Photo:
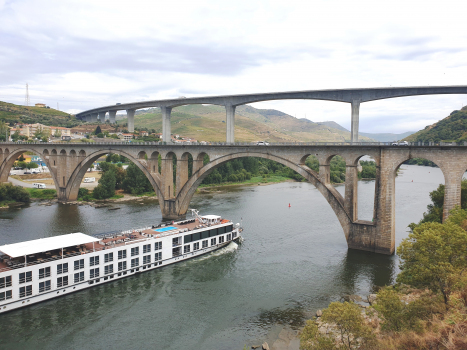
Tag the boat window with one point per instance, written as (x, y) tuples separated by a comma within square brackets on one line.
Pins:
[(196, 246), (5, 282), (205, 234), (5, 295), (93, 273), (146, 259), (25, 291), (122, 265), (196, 236), (228, 228), (62, 281), (62, 268), (25, 277), (186, 249), (188, 239), (93, 260), (134, 251), (45, 272), (221, 239), (44, 286), (79, 277), (213, 232), (79, 264), (146, 248), (108, 269), (158, 256), (135, 262), (205, 244), (213, 241), (122, 254), (108, 257), (221, 230), (158, 245)]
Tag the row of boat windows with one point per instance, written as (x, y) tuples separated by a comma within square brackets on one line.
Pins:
[(206, 234), (186, 248), (79, 276)]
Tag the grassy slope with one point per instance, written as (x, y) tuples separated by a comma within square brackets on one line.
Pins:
[(207, 123), (12, 113), (451, 128)]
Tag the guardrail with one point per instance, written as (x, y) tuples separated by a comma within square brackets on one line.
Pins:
[(347, 144)]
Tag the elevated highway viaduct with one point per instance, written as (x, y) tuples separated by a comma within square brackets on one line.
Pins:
[(352, 96), (68, 164)]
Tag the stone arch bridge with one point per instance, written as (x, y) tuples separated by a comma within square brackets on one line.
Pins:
[(68, 164)]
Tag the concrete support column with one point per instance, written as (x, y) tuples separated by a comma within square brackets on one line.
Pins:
[(197, 164), (230, 122), (167, 171), (452, 192), (355, 120), (166, 127), (93, 117), (102, 117), (130, 114), (351, 192), (61, 165), (88, 118), (153, 165), (182, 174), (112, 115), (325, 173)]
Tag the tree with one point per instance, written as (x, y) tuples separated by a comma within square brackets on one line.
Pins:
[(433, 256), (4, 131), (312, 339), (16, 136), (106, 187), (57, 133), (98, 130), (21, 158), (31, 165), (135, 181)]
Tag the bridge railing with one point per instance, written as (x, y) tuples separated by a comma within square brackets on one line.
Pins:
[(249, 144)]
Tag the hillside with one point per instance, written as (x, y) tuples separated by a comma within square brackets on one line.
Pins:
[(11, 114), (207, 123), (382, 137), (452, 128)]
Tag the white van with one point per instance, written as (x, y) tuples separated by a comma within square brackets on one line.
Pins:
[(89, 179), (38, 185)]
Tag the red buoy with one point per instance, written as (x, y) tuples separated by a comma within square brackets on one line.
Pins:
[(289, 205)]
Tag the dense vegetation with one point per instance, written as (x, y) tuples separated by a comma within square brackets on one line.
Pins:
[(426, 309), (10, 194), (452, 128)]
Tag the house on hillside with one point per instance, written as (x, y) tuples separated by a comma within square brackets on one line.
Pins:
[(41, 105), (126, 137), (63, 132)]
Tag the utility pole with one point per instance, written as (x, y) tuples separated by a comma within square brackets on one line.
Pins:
[(26, 98)]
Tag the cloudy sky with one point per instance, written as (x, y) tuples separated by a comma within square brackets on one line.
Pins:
[(84, 54)]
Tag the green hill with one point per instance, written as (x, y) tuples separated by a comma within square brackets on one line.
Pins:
[(207, 123), (450, 129), (11, 114)]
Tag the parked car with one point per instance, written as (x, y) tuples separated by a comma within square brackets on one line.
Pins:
[(27, 173), (402, 143), (262, 143), (38, 185)]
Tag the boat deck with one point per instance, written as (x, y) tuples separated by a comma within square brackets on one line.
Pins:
[(108, 241)]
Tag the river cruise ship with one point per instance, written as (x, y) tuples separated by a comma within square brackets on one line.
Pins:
[(42, 269)]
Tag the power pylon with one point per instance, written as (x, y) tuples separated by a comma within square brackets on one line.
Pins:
[(26, 98)]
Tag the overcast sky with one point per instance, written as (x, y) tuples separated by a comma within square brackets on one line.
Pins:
[(85, 54)]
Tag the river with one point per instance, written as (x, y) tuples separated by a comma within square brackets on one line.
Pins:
[(293, 261)]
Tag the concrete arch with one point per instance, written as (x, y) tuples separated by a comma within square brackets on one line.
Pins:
[(76, 177), (190, 187), (72, 153), (142, 155), (10, 158)]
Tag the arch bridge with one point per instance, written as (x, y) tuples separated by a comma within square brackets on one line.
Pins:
[(68, 164)]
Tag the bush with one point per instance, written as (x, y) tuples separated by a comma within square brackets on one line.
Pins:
[(10, 193), (82, 192)]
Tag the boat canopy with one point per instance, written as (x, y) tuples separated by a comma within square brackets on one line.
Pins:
[(211, 217), (46, 244)]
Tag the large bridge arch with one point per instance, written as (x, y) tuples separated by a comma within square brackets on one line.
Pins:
[(10, 158), (77, 176), (188, 190)]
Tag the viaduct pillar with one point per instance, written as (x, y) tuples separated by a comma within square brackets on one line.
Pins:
[(355, 120), (230, 116), (130, 113), (166, 127), (112, 115), (93, 117), (351, 191), (88, 118), (182, 173), (102, 117)]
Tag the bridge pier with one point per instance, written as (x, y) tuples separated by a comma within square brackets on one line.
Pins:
[(88, 118), (351, 191), (355, 105), (101, 116), (230, 123), (112, 115), (130, 113), (167, 171), (166, 127)]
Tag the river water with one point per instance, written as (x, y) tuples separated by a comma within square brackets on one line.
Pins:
[(293, 261)]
